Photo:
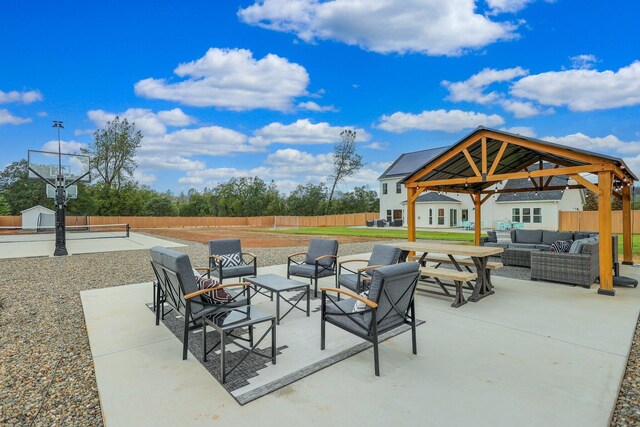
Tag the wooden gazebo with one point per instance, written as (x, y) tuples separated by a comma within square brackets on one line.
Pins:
[(485, 157)]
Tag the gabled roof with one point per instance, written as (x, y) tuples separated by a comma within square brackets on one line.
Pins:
[(409, 162), (434, 197), (37, 207)]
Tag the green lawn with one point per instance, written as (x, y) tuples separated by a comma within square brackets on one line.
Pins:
[(387, 233), (402, 234)]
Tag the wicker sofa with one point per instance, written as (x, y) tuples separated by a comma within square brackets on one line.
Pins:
[(578, 269)]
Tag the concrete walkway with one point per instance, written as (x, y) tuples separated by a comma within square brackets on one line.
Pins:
[(533, 354), (81, 244)]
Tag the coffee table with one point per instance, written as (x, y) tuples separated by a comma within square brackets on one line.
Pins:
[(277, 284), (225, 321)]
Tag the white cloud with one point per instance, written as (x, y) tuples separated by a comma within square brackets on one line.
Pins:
[(27, 97), (523, 109), (168, 162), (443, 120), (604, 145), (583, 62), (6, 118), (381, 146), (42, 114), (313, 106), (302, 131), (521, 130), (143, 177), (432, 27), (583, 90), (507, 6), (148, 122), (232, 79), (72, 147), (472, 89)]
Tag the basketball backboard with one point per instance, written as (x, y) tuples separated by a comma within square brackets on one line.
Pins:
[(71, 191), (44, 164)]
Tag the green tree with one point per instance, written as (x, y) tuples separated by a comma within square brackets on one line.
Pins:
[(161, 205), (112, 152), (19, 191), (591, 202), (346, 162), (5, 209), (361, 199), (307, 199)]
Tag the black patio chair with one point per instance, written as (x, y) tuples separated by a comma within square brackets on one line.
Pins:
[(176, 285), (358, 279), (227, 260), (390, 304), (320, 261)]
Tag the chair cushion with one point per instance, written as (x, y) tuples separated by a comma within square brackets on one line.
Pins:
[(384, 255), (576, 246), (528, 236), (549, 237), (349, 281), (224, 246), (321, 247), (308, 270), (237, 271), (503, 237)]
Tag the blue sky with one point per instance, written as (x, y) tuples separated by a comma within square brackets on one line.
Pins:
[(223, 89)]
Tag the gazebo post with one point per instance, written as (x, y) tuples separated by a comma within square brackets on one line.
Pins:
[(604, 222), (627, 233), (477, 202), (411, 214)]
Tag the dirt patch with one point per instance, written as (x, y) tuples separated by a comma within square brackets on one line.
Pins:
[(249, 239)]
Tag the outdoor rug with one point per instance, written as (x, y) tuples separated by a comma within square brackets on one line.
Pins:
[(298, 351)]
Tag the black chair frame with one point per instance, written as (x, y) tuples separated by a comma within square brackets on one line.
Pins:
[(318, 269)]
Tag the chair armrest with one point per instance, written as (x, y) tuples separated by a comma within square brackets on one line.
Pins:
[(372, 267), (216, 257), (352, 260), (204, 291), (201, 268), (353, 295), (296, 254), (248, 254)]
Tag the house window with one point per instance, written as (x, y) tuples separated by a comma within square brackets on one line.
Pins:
[(389, 215), (398, 188), (526, 215), (537, 215), (453, 217), (430, 216), (384, 188), (465, 215), (515, 215), (440, 216)]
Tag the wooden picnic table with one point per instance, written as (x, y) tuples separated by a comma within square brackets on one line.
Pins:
[(479, 254)]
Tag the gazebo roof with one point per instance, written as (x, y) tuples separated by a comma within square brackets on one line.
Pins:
[(467, 164)]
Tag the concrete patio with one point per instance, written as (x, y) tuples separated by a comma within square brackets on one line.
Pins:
[(534, 353)]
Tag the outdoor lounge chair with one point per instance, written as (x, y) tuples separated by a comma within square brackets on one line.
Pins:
[(357, 280), (223, 252), (390, 304), (320, 261), (176, 285)]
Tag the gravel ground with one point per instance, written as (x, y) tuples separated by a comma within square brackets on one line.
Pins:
[(46, 370)]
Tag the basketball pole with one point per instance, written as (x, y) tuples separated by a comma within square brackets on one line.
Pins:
[(61, 240)]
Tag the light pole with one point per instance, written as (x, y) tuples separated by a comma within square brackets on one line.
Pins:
[(61, 241)]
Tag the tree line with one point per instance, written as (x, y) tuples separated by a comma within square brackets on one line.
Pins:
[(116, 193)]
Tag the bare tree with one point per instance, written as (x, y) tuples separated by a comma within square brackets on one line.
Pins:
[(113, 150), (346, 162)]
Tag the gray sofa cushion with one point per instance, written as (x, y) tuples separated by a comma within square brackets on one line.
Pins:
[(321, 247), (549, 237), (384, 255), (528, 236), (491, 237), (579, 235), (576, 246), (523, 246), (543, 247)]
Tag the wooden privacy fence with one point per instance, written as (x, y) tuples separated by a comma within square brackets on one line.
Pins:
[(208, 221), (588, 221)]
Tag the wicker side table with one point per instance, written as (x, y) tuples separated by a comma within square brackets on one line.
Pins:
[(518, 257)]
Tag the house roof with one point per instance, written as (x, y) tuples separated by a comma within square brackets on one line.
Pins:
[(409, 162), (551, 195), (37, 207), (434, 197)]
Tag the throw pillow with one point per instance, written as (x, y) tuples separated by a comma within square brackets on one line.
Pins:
[(503, 236), (360, 306), (561, 245), (491, 237), (231, 260), (218, 296)]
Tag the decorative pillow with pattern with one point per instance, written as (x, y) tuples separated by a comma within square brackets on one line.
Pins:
[(231, 260), (561, 245), (360, 306), (219, 296), (503, 237)]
